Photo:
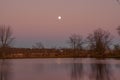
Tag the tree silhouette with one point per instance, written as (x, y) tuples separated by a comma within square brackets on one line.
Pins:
[(99, 40), (118, 1), (75, 41), (38, 45), (6, 36), (118, 29)]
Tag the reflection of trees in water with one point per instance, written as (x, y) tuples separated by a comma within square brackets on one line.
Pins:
[(93, 71), (101, 71), (4, 69), (76, 71), (117, 65)]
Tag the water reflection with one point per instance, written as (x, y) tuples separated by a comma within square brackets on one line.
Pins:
[(94, 71), (63, 69), (101, 71), (4, 69), (76, 71)]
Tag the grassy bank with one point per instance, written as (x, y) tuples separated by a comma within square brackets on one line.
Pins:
[(19, 53), (56, 55)]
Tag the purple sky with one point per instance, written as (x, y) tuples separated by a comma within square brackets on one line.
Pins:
[(36, 20)]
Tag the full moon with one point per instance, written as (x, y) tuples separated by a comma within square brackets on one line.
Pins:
[(59, 17)]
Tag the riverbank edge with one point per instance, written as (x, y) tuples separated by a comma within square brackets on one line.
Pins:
[(97, 57)]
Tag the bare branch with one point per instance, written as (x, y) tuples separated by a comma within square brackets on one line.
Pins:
[(6, 37), (99, 40), (118, 29), (38, 45), (76, 41)]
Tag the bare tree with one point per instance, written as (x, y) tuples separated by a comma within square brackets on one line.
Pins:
[(6, 36), (117, 46), (38, 45), (118, 29), (118, 1), (99, 40), (76, 41)]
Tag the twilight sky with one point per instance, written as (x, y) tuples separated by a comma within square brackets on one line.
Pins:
[(36, 20)]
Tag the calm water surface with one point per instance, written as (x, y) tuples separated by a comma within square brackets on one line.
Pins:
[(60, 69)]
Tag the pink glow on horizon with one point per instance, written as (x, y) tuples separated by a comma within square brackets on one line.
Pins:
[(38, 18)]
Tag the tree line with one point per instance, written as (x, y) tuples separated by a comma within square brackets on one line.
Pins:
[(99, 40)]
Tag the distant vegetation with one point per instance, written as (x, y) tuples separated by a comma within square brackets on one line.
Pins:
[(6, 39), (96, 44), (6, 36)]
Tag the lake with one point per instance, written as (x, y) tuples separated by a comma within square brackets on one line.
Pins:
[(60, 69)]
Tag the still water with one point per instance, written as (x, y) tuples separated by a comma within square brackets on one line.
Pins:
[(60, 69)]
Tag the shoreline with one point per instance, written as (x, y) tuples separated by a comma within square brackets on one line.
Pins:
[(42, 57), (26, 53)]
